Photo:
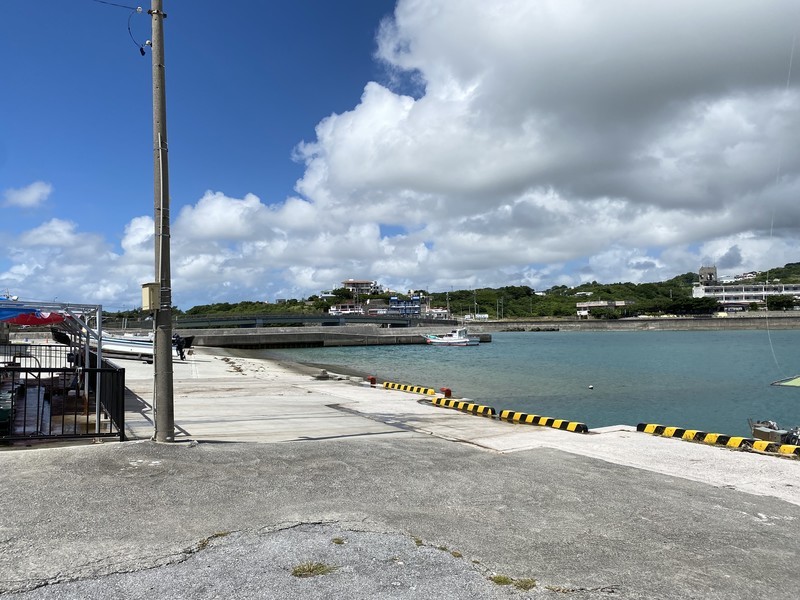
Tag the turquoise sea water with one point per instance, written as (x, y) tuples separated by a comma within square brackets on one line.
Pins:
[(707, 380)]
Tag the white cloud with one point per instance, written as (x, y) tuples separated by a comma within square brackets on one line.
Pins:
[(54, 233), (29, 196), (610, 134), (138, 240), (510, 142), (219, 217), (57, 260)]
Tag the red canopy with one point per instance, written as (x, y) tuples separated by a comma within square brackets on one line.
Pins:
[(36, 318)]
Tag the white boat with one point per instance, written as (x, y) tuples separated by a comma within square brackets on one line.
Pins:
[(457, 337), (126, 345), (122, 346)]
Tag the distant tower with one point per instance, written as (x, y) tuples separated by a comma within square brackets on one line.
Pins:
[(708, 275)]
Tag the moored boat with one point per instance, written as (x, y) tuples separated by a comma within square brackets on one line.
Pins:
[(457, 337)]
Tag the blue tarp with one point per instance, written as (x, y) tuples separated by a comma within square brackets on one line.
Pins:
[(8, 313), (19, 313)]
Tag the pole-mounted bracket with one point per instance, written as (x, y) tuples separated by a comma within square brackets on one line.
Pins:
[(157, 12)]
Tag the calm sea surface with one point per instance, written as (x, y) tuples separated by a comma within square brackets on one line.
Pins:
[(707, 380)]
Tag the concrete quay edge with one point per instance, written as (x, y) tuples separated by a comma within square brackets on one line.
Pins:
[(439, 500)]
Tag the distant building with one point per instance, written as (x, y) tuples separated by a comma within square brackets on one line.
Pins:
[(746, 276), (437, 313), (708, 275), (376, 307), (737, 295), (585, 308), (405, 308), (477, 317), (362, 287), (346, 309)]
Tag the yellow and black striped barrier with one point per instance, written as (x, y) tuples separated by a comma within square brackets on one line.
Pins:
[(465, 406), (719, 439), (417, 389), (563, 424)]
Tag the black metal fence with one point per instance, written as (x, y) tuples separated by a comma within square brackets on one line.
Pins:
[(47, 393)]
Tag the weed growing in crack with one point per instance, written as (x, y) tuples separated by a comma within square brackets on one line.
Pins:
[(312, 569)]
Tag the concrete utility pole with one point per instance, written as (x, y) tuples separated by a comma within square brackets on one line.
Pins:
[(162, 356)]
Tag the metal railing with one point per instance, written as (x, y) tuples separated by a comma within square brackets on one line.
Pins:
[(47, 394)]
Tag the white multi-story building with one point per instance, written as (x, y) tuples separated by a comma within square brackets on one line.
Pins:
[(740, 294), (362, 287), (585, 308)]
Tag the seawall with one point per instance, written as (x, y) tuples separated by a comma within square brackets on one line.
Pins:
[(374, 335), (773, 320), (309, 337)]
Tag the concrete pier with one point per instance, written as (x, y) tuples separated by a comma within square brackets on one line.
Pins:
[(276, 468)]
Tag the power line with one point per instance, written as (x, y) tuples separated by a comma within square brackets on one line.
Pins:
[(134, 10), (130, 33), (139, 8)]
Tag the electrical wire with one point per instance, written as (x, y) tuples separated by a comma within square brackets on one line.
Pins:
[(130, 33), (118, 5), (134, 10)]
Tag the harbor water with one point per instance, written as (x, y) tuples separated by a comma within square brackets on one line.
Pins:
[(707, 380)]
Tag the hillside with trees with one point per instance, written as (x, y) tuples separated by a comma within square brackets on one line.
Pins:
[(514, 302), (671, 297), (789, 273)]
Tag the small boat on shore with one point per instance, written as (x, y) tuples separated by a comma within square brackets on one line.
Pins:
[(122, 346), (133, 346), (457, 337)]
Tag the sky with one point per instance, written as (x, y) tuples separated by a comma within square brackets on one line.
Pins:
[(423, 144)]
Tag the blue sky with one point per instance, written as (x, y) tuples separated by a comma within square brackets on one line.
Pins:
[(243, 88), (429, 144)]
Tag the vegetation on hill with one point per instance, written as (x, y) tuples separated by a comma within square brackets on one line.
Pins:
[(673, 296), (668, 297), (789, 273)]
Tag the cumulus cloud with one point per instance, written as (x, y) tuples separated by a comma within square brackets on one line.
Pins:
[(215, 216), (53, 233), (512, 142), (56, 260), (29, 196), (138, 237), (731, 259), (557, 132)]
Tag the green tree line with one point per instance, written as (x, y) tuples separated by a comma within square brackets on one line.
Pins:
[(673, 296)]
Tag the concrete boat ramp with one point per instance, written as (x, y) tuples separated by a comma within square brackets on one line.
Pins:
[(276, 470)]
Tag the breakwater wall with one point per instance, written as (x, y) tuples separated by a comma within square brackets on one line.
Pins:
[(310, 337), (775, 320), (375, 335)]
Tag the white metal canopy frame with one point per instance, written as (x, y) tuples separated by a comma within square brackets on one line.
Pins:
[(79, 325)]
